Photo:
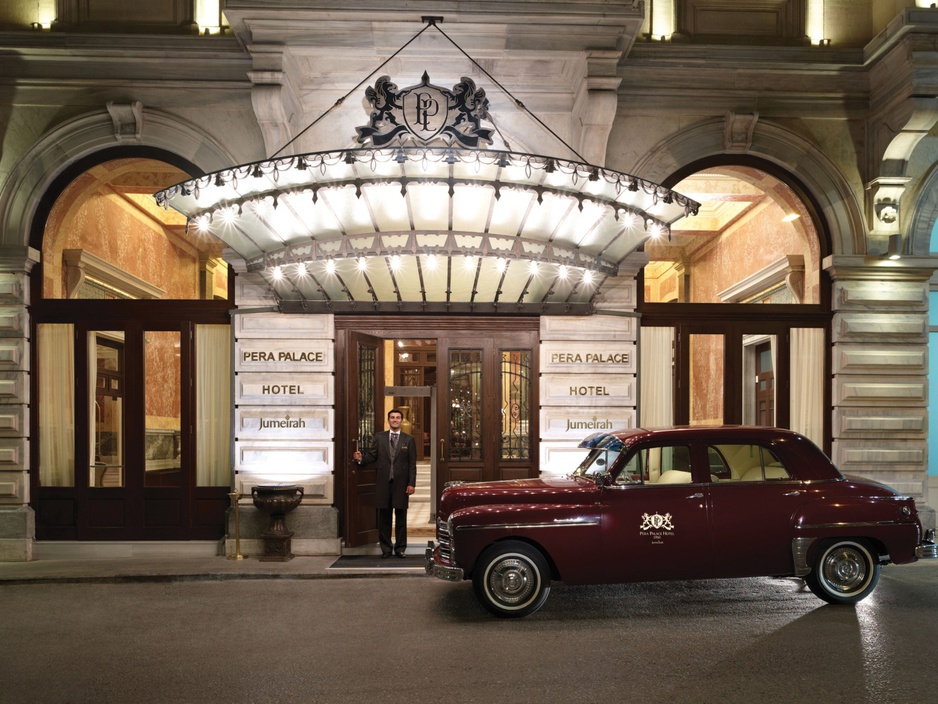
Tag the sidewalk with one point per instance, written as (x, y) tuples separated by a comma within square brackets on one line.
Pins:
[(181, 569)]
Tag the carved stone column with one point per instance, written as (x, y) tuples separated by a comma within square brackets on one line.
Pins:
[(880, 371), (17, 520)]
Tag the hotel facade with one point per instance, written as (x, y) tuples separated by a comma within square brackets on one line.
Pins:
[(233, 236)]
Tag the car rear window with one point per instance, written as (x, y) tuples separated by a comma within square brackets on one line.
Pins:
[(745, 462)]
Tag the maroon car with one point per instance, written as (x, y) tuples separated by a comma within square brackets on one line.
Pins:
[(677, 503)]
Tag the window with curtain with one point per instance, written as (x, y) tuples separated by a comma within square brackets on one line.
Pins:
[(213, 405), (56, 404), (807, 383)]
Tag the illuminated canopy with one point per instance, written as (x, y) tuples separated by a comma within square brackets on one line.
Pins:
[(438, 226)]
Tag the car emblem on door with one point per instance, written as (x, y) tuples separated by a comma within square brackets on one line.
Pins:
[(656, 522)]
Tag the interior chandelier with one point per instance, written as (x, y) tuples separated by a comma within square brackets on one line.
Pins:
[(423, 218)]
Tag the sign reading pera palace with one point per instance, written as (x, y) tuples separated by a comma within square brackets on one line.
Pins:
[(424, 112)]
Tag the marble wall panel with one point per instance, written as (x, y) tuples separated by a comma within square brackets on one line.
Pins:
[(589, 328), (872, 390), (14, 321), (284, 422), (881, 422), (879, 327), (13, 354), (14, 388), (574, 424), (587, 390), (14, 453), (251, 291), (285, 326), (13, 289), (600, 358), (284, 389), (875, 295), (13, 421), (560, 458), (306, 355), (317, 488), (892, 359), (14, 487), (290, 459)]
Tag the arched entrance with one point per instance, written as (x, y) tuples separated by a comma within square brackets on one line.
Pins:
[(131, 359), (735, 299)]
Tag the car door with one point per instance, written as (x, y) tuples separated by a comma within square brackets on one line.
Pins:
[(654, 517), (753, 501)]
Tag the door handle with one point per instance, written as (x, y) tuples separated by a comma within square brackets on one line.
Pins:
[(698, 495), (792, 493), (442, 456)]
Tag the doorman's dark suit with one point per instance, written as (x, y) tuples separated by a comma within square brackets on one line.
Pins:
[(394, 475)]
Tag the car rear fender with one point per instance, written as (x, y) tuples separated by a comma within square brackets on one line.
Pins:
[(567, 535), (889, 524)]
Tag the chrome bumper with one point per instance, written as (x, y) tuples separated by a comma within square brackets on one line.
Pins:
[(450, 574), (928, 550)]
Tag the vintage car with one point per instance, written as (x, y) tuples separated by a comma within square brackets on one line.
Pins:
[(677, 503)]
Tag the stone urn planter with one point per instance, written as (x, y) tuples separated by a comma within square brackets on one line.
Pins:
[(277, 500)]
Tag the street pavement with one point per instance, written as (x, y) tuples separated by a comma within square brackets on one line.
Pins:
[(305, 634)]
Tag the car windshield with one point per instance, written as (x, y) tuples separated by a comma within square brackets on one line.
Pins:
[(604, 450)]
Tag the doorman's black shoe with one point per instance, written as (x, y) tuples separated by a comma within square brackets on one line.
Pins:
[(400, 554), (385, 555)]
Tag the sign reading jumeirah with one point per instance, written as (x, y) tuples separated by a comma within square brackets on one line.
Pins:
[(424, 112)]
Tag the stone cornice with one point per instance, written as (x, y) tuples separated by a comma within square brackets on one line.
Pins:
[(868, 268)]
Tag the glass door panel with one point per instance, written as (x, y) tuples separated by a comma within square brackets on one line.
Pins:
[(760, 371), (108, 385), (163, 421), (466, 412), (516, 404), (706, 379), (656, 377)]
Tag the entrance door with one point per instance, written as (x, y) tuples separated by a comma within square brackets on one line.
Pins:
[(488, 410), (135, 481), (364, 393)]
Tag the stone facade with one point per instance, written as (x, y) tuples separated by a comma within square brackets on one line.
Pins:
[(849, 123)]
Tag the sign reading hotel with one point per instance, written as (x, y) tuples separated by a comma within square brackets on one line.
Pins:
[(581, 390)]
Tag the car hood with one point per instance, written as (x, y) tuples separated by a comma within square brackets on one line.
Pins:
[(518, 491)]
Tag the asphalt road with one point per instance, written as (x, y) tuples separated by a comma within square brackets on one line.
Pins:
[(417, 639)]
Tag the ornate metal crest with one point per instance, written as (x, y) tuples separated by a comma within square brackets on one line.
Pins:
[(425, 112), (656, 522)]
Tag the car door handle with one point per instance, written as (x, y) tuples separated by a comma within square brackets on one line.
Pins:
[(792, 493), (698, 495)]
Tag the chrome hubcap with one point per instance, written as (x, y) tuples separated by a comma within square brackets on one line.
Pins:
[(845, 569), (513, 581)]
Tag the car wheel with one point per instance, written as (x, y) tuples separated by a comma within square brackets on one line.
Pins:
[(845, 572), (511, 579)]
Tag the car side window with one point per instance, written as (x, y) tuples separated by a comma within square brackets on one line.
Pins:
[(745, 462), (668, 464)]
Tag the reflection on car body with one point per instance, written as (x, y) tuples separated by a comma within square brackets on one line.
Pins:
[(677, 503)]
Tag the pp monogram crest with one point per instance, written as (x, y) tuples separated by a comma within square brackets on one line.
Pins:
[(425, 112), (656, 522)]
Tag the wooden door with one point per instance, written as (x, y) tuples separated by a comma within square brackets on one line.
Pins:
[(487, 407), (364, 393)]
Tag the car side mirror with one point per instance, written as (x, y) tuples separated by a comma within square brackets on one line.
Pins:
[(601, 479)]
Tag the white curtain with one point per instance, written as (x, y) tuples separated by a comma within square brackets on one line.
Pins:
[(807, 383), (656, 377), (56, 405), (213, 405)]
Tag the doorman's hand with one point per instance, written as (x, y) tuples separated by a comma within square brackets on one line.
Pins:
[(357, 456), (410, 490)]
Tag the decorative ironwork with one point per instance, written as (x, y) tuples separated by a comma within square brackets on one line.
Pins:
[(367, 379), (516, 404), (425, 112), (465, 398)]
